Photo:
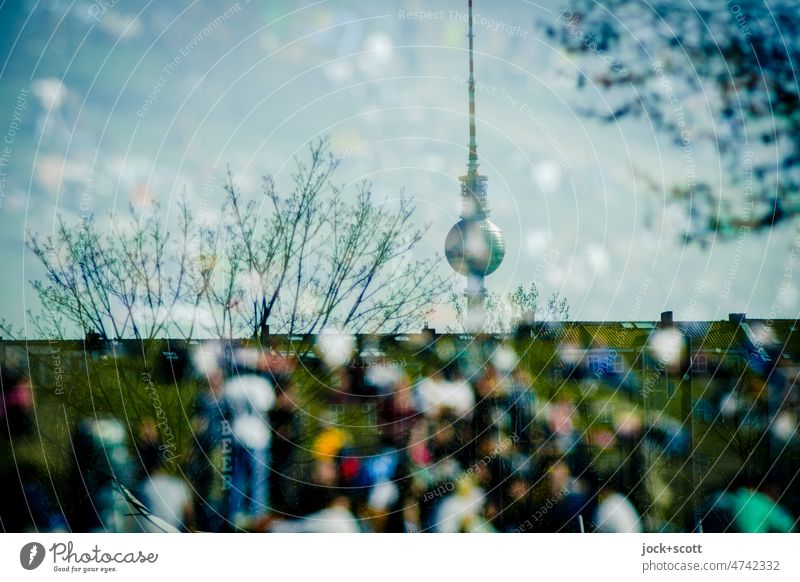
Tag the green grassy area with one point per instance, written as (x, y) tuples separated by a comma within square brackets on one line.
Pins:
[(77, 384)]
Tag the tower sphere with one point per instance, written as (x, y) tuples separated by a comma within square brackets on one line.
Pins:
[(475, 247)]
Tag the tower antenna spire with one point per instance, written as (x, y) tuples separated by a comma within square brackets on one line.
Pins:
[(472, 165)]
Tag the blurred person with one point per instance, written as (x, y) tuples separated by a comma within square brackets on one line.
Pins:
[(491, 411), (745, 510), (318, 479), (277, 367), (382, 508), (562, 426), (438, 445), (349, 382), (16, 403), (418, 450), (330, 440), (166, 497), (248, 399), (286, 428), (444, 440), (568, 497), (384, 376), (516, 505), (412, 522), (497, 461), (379, 468), (397, 415), (630, 477), (210, 453), (24, 503), (101, 472), (316, 492), (444, 392), (335, 517), (522, 405), (616, 514), (462, 511), (148, 448)]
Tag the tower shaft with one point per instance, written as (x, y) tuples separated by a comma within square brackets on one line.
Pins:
[(474, 202)]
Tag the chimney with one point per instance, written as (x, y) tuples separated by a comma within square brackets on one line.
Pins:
[(428, 330), (92, 340), (737, 317), (666, 319)]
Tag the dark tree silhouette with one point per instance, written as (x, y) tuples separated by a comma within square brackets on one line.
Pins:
[(706, 72)]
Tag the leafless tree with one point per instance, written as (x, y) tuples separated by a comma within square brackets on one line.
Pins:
[(298, 263), (123, 280), (315, 261)]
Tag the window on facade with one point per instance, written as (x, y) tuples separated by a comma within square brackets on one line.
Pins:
[(700, 363), (617, 364), (593, 360)]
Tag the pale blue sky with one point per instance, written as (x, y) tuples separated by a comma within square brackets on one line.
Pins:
[(106, 102)]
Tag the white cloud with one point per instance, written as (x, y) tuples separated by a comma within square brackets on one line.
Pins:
[(547, 174), (50, 92)]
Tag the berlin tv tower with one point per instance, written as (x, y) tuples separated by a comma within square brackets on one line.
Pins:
[(474, 247)]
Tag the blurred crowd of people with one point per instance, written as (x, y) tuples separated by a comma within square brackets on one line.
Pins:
[(458, 447)]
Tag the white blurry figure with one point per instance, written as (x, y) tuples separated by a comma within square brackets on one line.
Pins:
[(247, 358), (784, 427), (384, 376), (383, 496), (249, 394), (460, 512), (331, 520), (336, 518), (505, 359), (168, 498), (206, 358), (457, 395), (729, 404), (436, 394), (335, 348), (249, 397), (615, 514), (667, 345)]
